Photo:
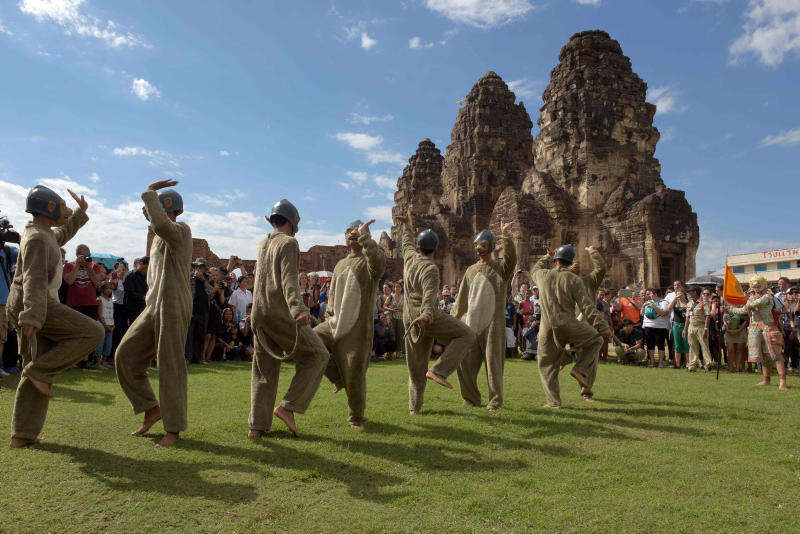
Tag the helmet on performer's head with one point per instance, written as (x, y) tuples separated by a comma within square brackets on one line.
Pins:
[(285, 209), (565, 253), (352, 228), (44, 201), (171, 200), (427, 241), (758, 282), (484, 242)]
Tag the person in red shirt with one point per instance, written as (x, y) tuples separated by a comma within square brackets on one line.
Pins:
[(82, 278)]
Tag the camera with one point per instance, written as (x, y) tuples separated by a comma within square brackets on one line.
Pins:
[(7, 232)]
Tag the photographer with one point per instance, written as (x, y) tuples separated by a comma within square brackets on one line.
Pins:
[(8, 260), (82, 278), (201, 288)]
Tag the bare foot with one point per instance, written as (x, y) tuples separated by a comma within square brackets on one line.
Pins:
[(43, 387), (287, 417), (16, 443), (588, 398), (430, 375), (492, 408), (763, 383), (413, 412), (580, 378), (551, 406), (336, 389), (782, 385), (253, 434), (151, 417), (169, 440)]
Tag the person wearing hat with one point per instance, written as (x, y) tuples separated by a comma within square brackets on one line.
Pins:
[(348, 328), (281, 328), (560, 292), (160, 330), (201, 306), (629, 343), (696, 332), (53, 337), (423, 320), (764, 336), (481, 305)]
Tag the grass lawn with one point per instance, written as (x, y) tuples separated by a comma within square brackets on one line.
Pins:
[(660, 450)]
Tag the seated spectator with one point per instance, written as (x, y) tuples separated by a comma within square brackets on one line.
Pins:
[(227, 346), (630, 341), (384, 341)]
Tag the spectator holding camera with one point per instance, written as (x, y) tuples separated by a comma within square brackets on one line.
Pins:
[(83, 277)]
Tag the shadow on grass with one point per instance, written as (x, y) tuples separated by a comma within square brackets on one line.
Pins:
[(83, 397), (175, 478), (361, 483)]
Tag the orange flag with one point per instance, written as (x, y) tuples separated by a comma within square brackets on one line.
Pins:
[(732, 290)]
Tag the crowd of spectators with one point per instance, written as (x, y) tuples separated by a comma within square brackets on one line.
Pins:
[(652, 327)]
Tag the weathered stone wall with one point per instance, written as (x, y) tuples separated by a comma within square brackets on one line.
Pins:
[(589, 177)]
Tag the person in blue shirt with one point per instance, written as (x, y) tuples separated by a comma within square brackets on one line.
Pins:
[(8, 258)]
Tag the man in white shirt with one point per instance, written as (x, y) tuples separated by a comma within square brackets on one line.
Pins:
[(242, 296), (656, 323)]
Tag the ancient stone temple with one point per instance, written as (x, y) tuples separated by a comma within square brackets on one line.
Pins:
[(589, 177)]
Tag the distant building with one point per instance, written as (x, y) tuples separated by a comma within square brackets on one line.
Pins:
[(771, 264)]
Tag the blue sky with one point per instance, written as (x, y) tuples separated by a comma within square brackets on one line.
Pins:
[(323, 102)]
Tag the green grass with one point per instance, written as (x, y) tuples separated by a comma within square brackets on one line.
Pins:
[(661, 450)]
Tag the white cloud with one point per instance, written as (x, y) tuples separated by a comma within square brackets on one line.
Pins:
[(415, 43), (771, 30), (220, 199), (366, 120), (346, 185), (525, 88), (384, 156), (381, 213), (144, 89), (69, 15), (367, 42), (224, 153), (94, 177), (4, 30), (155, 157), (480, 13), (783, 139), (665, 100), (384, 182), (371, 146), (360, 141), (358, 177), (589, 2)]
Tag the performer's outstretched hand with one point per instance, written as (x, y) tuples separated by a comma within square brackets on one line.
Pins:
[(82, 204), (161, 184), (505, 227), (591, 248), (364, 228)]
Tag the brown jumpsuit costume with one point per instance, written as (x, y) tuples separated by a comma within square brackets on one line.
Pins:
[(277, 336), (160, 330), (65, 336), (349, 326)]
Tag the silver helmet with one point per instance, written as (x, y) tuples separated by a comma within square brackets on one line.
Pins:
[(171, 200), (427, 241), (286, 209)]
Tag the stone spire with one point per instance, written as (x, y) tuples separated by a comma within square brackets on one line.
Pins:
[(490, 149), (597, 137)]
